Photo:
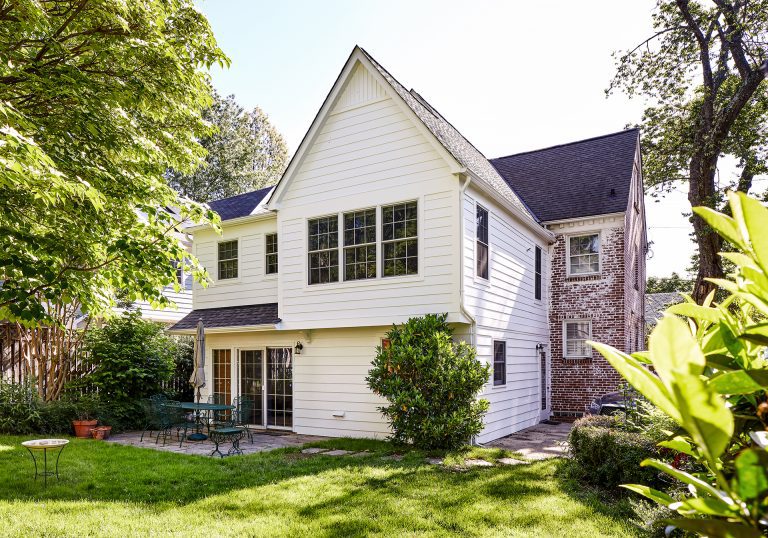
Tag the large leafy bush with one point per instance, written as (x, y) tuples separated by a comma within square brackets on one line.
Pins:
[(432, 384), (711, 378)]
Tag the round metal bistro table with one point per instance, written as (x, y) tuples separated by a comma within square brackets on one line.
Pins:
[(45, 445)]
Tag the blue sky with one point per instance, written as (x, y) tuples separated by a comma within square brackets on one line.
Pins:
[(511, 76)]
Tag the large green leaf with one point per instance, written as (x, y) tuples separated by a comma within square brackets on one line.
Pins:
[(756, 333), (752, 474), (696, 312), (740, 382), (679, 444), (702, 487), (723, 224), (653, 494), (756, 220), (716, 528)]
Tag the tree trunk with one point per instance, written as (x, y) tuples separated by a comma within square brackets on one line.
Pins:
[(701, 192)]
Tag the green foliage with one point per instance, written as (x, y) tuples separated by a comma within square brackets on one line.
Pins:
[(245, 153), (668, 284), (97, 101), (607, 454), (712, 380), (431, 383), (19, 408), (131, 358)]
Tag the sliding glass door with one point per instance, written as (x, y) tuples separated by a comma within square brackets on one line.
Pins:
[(252, 383), (266, 379)]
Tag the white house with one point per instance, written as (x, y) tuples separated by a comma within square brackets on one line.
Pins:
[(385, 212)]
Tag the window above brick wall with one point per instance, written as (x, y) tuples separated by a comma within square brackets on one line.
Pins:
[(583, 254)]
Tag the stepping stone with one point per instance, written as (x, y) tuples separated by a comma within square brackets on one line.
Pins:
[(360, 454), (393, 457), (477, 463), (435, 461), (511, 461), (337, 453), (314, 450)]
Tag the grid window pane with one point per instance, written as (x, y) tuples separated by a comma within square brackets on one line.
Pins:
[(584, 254), (537, 275), (222, 376), (270, 248), (576, 335), (323, 250), (499, 362), (279, 387), (400, 246), (251, 384), (360, 245), (227, 260), (481, 217)]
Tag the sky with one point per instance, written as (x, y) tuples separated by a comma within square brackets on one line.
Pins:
[(510, 75)]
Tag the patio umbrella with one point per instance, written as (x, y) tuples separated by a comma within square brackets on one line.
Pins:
[(198, 373)]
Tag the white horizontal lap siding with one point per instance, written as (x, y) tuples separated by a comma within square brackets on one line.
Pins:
[(365, 155), (252, 286), (505, 309), (328, 377)]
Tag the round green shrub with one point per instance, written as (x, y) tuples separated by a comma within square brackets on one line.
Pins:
[(431, 383)]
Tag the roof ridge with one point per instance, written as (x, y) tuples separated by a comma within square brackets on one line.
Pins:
[(241, 194), (590, 139)]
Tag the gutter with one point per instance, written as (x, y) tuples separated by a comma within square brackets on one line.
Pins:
[(235, 221), (462, 308), (233, 329)]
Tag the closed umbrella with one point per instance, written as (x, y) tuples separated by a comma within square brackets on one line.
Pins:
[(198, 373)]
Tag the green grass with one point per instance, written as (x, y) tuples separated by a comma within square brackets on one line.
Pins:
[(114, 490)]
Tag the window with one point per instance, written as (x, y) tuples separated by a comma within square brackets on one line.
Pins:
[(575, 339), (179, 267), (227, 260), (222, 376), (360, 244), (481, 217), (537, 275), (270, 249), (399, 244), (324, 250), (584, 254), (499, 362)]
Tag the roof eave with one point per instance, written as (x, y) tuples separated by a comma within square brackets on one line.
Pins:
[(236, 220), (229, 329)]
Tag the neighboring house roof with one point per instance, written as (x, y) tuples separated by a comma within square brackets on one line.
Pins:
[(452, 140), (578, 179), (230, 316), (241, 205), (656, 303)]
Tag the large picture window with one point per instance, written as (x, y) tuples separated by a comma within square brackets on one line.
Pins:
[(323, 250), (360, 244), (481, 216), (499, 362), (576, 334), (270, 256), (584, 254), (227, 260), (400, 244)]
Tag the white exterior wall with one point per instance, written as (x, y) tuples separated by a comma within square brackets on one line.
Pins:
[(328, 376), (252, 286), (504, 308), (369, 153)]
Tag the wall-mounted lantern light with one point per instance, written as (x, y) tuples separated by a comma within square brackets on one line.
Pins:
[(298, 348)]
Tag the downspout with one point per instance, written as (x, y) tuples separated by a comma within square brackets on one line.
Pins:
[(462, 308)]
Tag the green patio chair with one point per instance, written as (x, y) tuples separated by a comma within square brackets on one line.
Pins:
[(152, 409), (242, 415)]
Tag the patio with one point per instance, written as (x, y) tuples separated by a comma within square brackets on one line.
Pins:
[(262, 441)]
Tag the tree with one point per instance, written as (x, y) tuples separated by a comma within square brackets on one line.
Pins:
[(97, 101), (702, 70), (245, 153), (668, 284)]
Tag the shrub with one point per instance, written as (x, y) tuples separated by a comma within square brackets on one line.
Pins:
[(431, 383), (605, 454), (19, 408)]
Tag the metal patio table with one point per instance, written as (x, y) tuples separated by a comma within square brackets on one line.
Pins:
[(199, 408), (45, 445)]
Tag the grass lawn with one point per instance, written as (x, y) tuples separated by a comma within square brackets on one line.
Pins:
[(114, 490)]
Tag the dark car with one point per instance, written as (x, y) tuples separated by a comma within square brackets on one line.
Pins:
[(608, 404)]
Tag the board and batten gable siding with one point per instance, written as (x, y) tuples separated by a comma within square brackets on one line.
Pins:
[(367, 153), (328, 377), (252, 285), (505, 308)]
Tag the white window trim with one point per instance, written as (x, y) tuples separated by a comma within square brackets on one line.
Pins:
[(565, 338), (493, 363), (480, 279), (599, 253), (339, 250), (271, 276), (239, 262)]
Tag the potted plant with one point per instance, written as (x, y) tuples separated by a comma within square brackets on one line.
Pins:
[(101, 432), (86, 420)]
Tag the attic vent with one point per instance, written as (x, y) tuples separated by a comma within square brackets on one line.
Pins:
[(613, 193)]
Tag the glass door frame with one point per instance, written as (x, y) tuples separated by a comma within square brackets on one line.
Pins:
[(236, 383)]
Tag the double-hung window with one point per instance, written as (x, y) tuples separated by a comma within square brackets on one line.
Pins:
[(575, 336), (228, 259), (360, 244), (481, 217), (399, 239), (270, 256), (499, 362), (323, 251), (584, 254), (179, 267), (537, 275)]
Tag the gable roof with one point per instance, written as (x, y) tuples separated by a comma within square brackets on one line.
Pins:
[(230, 316), (579, 179), (452, 140), (240, 205)]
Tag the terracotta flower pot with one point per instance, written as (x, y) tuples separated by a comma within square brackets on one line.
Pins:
[(83, 428), (102, 432)]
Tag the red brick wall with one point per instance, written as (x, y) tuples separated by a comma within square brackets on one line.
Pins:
[(601, 298)]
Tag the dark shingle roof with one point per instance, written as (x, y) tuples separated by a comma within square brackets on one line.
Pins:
[(230, 316), (239, 206), (452, 140), (656, 303), (579, 179)]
